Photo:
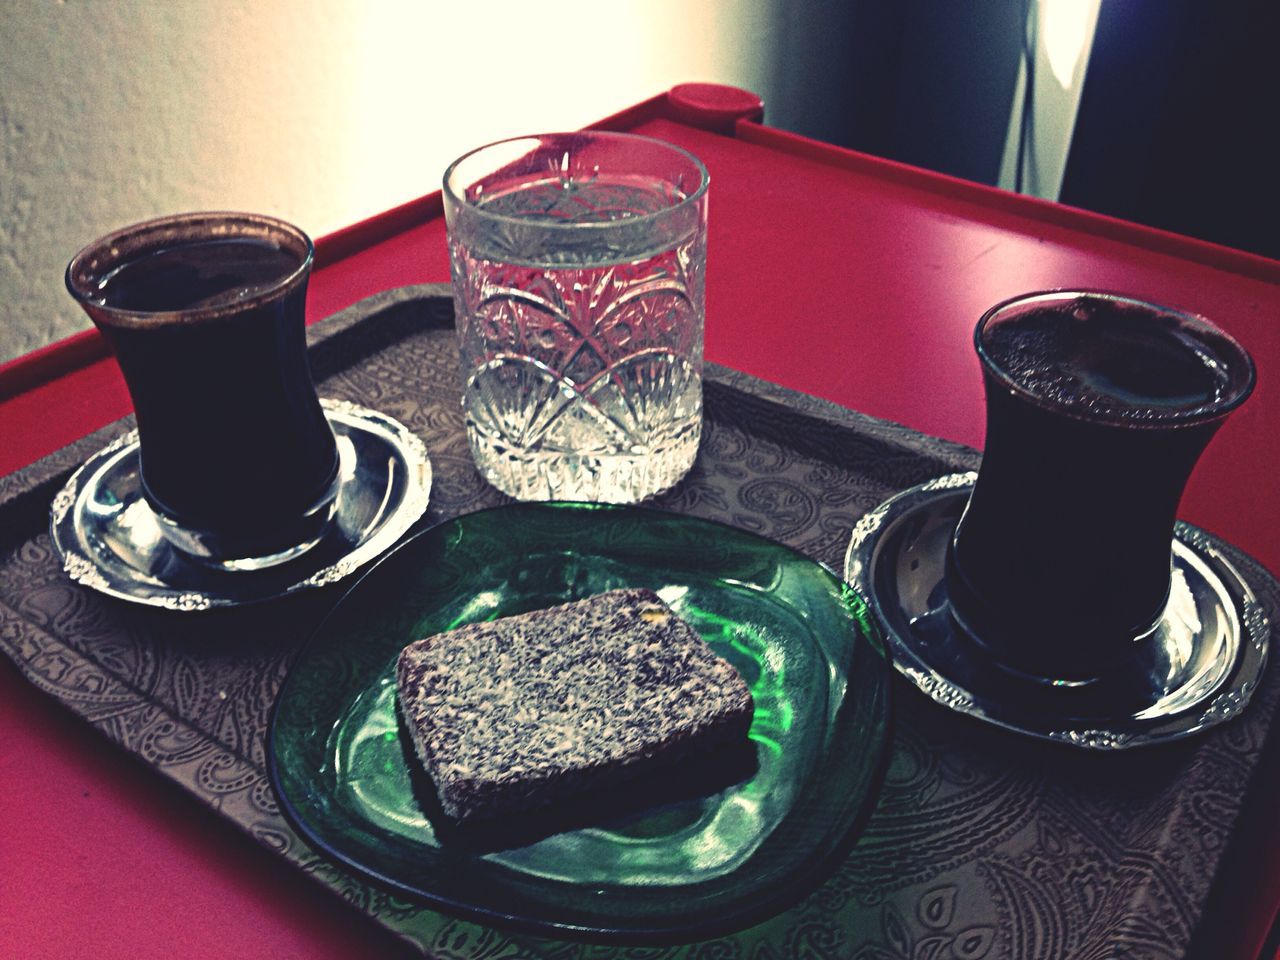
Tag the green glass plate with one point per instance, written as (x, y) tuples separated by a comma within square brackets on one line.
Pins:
[(720, 856)]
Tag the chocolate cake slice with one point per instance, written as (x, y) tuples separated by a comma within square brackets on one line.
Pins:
[(512, 715)]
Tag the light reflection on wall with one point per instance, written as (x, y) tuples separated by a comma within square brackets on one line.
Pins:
[(1068, 27), (427, 82), (1063, 32), (323, 112)]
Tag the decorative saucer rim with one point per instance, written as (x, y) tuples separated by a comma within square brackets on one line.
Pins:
[(79, 561), (1219, 704)]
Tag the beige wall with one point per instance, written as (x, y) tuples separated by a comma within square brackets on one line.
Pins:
[(323, 111)]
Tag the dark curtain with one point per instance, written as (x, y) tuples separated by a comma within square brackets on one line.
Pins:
[(1178, 120), (927, 82)]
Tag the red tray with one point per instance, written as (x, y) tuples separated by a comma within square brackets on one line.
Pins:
[(832, 272)]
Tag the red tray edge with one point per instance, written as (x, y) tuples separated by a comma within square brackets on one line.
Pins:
[(1241, 262)]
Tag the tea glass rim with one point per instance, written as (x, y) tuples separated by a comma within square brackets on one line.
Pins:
[(1199, 322), (577, 226), (146, 237)]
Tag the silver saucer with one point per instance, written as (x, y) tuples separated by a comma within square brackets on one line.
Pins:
[(1201, 668), (109, 539)]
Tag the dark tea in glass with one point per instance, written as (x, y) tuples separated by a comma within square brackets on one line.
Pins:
[(1098, 407), (205, 315)]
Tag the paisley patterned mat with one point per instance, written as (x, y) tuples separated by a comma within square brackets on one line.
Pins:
[(983, 845)]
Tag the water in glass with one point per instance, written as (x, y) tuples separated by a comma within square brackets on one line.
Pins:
[(581, 363)]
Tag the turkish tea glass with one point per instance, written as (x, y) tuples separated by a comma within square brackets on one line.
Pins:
[(204, 312), (1098, 407)]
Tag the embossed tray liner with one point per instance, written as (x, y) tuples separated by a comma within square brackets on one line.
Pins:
[(983, 844)]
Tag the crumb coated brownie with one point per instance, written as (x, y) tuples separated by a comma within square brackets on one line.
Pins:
[(510, 715)]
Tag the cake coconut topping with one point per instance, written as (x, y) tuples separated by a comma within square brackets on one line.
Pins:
[(514, 714)]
